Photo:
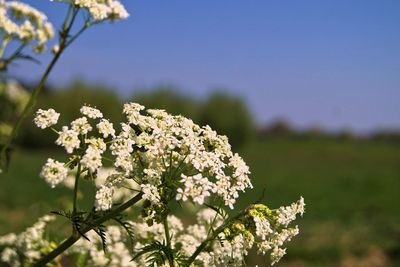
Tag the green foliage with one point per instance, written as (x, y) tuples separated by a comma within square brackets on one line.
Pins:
[(158, 254), (101, 232), (228, 115)]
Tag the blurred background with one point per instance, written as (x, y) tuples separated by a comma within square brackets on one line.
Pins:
[(307, 92)]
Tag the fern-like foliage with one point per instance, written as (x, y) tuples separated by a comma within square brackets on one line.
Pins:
[(156, 253), (101, 232), (120, 219)]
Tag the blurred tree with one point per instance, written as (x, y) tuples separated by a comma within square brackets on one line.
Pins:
[(387, 135), (171, 100), (230, 116), (279, 127)]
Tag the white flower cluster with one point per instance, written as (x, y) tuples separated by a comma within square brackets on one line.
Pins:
[(54, 172), (288, 214), (19, 21), (30, 244), (103, 9), (173, 150), (271, 227), (154, 149), (46, 118)]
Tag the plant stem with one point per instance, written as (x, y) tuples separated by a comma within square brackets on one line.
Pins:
[(3, 46), (72, 239), (168, 238), (74, 203), (78, 174)]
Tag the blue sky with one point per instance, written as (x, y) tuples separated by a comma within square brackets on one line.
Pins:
[(329, 63)]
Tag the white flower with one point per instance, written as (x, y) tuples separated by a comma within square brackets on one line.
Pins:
[(68, 139), (117, 10), (10, 255), (81, 125), (103, 9), (285, 235), (90, 112), (46, 118), (150, 192), (132, 108), (106, 128), (54, 172), (263, 247), (263, 227), (104, 198), (99, 11), (196, 187), (55, 49), (96, 143), (276, 254), (288, 214), (122, 146), (92, 159), (8, 239)]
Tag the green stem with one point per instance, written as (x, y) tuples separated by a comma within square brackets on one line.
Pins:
[(67, 17), (72, 239), (78, 174), (168, 238), (75, 233), (4, 45)]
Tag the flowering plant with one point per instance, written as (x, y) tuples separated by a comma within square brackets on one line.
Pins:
[(156, 159), (142, 167)]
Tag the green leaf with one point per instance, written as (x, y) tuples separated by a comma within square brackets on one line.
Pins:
[(101, 232)]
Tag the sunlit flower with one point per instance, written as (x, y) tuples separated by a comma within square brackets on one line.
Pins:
[(46, 118), (54, 172)]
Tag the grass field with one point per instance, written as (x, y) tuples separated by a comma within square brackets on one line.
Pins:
[(351, 188)]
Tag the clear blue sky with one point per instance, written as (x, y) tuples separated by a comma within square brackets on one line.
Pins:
[(332, 63)]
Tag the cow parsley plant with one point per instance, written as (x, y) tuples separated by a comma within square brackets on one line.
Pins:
[(152, 160)]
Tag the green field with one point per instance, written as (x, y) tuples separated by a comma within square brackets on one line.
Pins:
[(351, 188)]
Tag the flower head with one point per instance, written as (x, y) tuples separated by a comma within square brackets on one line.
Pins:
[(46, 118), (90, 112), (54, 172), (21, 22)]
